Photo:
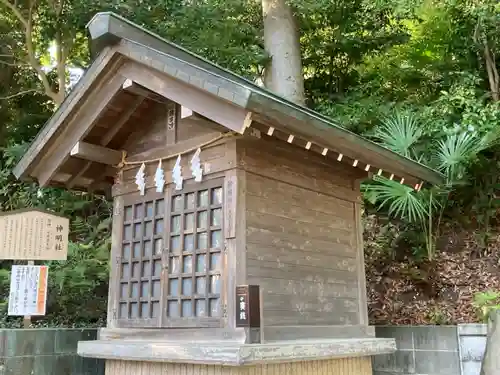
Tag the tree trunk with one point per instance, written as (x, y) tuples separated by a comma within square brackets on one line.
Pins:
[(491, 359), (283, 75), (492, 71)]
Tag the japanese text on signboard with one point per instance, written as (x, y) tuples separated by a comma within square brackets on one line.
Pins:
[(247, 306), (28, 290), (33, 235)]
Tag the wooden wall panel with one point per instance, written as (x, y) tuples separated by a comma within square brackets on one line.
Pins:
[(344, 366), (193, 127), (301, 238), (155, 138), (297, 167), (147, 136)]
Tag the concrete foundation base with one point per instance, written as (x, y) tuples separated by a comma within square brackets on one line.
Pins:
[(341, 366), (301, 357)]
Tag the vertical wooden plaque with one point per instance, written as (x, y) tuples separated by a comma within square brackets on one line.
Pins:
[(248, 306)]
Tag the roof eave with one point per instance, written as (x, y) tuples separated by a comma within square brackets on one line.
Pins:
[(99, 29), (259, 103), (26, 166), (108, 28)]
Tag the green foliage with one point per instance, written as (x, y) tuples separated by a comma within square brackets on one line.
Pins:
[(453, 154), (82, 280), (400, 133), (438, 316), (77, 288), (486, 302), (231, 36), (413, 75)]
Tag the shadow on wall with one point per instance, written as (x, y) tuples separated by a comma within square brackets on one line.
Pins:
[(432, 350)]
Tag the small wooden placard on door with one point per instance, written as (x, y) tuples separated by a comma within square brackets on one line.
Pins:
[(248, 306)]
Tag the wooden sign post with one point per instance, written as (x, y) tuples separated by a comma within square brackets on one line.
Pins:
[(27, 318), (30, 235)]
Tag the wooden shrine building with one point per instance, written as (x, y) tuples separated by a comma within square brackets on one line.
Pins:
[(217, 184)]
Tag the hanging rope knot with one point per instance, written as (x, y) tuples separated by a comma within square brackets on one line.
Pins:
[(124, 162)]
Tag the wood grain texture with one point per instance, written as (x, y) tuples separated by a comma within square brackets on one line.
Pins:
[(302, 236), (72, 101), (198, 335), (116, 255), (79, 125), (235, 257), (111, 132), (346, 366), (214, 157), (220, 111), (363, 304), (294, 166), (96, 153), (156, 140)]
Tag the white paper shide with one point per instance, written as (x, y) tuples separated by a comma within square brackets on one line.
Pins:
[(196, 169), (177, 177), (159, 178), (177, 174), (140, 180)]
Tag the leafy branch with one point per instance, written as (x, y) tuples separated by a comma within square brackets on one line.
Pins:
[(57, 95), (20, 94)]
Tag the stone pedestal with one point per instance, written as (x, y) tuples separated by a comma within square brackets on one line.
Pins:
[(305, 357)]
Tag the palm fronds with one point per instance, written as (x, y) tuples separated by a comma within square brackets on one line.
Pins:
[(399, 133), (452, 154), (401, 201)]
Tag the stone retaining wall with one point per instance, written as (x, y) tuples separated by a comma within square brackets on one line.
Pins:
[(422, 350), (46, 352), (432, 350)]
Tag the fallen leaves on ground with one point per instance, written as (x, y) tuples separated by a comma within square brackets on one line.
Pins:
[(438, 292)]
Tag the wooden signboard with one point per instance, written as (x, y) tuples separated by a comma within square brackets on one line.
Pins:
[(33, 235), (248, 306)]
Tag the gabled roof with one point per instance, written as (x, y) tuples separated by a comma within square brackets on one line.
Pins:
[(115, 38)]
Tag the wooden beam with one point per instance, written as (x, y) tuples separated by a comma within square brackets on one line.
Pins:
[(39, 147), (80, 125), (63, 177), (215, 108), (110, 134), (125, 116), (187, 114), (99, 154), (139, 90)]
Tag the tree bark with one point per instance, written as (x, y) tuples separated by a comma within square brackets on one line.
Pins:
[(31, 56), (492, 71), (489, 59), (491, 359), (283, 75)]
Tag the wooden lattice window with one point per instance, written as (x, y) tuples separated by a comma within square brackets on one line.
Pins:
[(140, 265), (195, 241), (171, 256)]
